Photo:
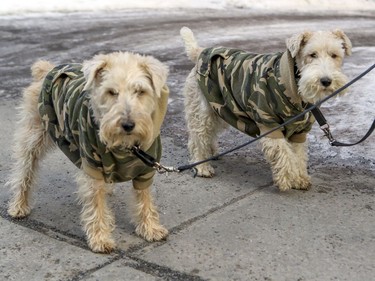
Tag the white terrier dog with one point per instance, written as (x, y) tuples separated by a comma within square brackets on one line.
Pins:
[(94, 112), (255, 93)]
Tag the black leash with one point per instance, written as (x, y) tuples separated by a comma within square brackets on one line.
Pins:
[(150, 161), (325, 128)]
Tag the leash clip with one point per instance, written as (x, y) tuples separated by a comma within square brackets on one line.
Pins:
[(151, 161), (161, 169), (327, 133)]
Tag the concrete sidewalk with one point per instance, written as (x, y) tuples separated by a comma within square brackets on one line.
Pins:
[(235, 226)]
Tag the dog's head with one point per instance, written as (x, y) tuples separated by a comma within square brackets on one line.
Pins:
[(124, 92), (319, 57)]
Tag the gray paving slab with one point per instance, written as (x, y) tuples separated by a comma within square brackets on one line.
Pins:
[(55, 202), (29, 255), (322, 234)]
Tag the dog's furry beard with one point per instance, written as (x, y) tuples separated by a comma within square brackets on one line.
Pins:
[(113, 135), (311, 90)]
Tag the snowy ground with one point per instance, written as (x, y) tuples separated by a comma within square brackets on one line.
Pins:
[(39, 6)]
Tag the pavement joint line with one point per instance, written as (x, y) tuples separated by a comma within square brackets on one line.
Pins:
[(83, 274), (141, 265), (144, 266), (47, 230), (161, 271), (189, 222), (165, 272)]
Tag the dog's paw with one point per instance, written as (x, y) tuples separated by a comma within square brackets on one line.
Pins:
[(151, 232), (284, 186), (102, 245), (302, 183), (18, 212), (205, 171)]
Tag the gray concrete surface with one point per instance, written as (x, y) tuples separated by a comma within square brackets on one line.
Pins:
[(236, 226)]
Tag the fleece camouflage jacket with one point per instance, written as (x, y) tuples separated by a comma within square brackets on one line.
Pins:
[(253, 93), (68, 118)]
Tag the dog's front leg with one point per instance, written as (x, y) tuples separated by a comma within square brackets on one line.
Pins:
[(279, 153), (146, 217), (303, 181), (97, 219)]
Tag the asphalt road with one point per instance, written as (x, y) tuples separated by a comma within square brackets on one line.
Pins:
[(236, 226)]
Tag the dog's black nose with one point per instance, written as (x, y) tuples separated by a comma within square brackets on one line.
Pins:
[(128, 126), (325, 81)]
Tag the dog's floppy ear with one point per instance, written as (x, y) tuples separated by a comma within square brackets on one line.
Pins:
[(158, 73), (347, 44), (91, 70), (296, 42)]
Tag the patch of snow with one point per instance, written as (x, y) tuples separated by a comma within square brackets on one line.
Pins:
[(43, 6)]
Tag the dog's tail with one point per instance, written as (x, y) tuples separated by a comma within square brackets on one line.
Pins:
[(191, 45), (40, 69)]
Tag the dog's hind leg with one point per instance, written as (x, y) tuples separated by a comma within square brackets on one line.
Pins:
[(30, 145), (97, 219), (279, 153), (203, 126), (146, 217)]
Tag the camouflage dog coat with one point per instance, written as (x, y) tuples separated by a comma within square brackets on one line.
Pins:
[(68, 118), (253, 93)]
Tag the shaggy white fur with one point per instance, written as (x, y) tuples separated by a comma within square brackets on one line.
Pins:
[(319, 57), (125, 95)]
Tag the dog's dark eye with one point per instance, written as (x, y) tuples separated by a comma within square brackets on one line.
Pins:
[(112, 93), (333, 56), (140, 92), (313, 55)]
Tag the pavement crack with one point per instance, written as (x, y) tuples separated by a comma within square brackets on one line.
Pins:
[(155, 270), (47, 230), (84, 274), (160, 271), (189, 222)]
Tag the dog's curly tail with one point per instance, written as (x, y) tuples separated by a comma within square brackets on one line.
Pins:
[(40, 69), (191, 45)]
